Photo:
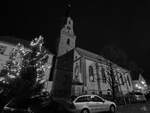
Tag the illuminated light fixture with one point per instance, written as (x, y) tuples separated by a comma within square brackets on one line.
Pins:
[(11, 76), (136, 85), (2, 78), (145, 85), (142, 82), (139, 87)]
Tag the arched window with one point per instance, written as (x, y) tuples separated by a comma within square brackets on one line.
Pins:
[(121, 77), (76, 76), (103, 75), (91, 74), (128, 80), (68, 41)]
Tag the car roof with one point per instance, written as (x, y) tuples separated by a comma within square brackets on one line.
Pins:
[(86, 95)]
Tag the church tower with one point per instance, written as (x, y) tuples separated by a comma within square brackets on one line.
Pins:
[(67, 37)]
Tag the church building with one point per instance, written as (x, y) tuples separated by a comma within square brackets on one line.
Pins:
[(79, 71)]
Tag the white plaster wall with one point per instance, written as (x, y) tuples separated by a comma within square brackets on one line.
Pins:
[(5, 57), (76, 55)]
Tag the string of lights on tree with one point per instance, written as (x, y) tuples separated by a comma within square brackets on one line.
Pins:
[(21, 58)]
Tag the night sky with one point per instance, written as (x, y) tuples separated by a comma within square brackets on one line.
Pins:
[(96, 24)]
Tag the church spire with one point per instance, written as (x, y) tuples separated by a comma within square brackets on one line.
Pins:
[(68, 26), (68, 8), (67, 37)]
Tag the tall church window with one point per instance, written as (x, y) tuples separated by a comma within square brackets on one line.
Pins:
[(76, 77), (91, 74), (128, 80), (103, 75), (122, 81)]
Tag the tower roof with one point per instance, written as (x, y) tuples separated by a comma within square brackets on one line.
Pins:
[(68, 27), (68, 8), (68, 22)]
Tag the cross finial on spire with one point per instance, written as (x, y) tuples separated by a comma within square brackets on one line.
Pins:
[(68, 8), (69, 4)]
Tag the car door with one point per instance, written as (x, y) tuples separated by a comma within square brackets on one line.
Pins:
[(99, 104), (83, 102), (80, 103), (92, 104)]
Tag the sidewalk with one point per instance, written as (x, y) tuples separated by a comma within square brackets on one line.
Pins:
[(134, 108)]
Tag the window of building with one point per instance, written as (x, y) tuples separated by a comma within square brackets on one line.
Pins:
[(76, 57), (68, 41), (91, 74), (103, 75), (128, 80), (122, 81), (76, 72), (2, 49), (68, 28)]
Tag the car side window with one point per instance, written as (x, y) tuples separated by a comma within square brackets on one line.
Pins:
[(83, 99), (97, 99)]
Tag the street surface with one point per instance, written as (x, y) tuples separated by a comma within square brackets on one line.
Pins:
[(135, 108)]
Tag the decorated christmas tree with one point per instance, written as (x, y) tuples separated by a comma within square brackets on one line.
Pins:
[(23, 74)]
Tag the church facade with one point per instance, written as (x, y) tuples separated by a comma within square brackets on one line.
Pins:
[(91, 74), (82, 72)]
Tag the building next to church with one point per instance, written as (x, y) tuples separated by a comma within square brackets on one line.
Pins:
[(7, 44), (79, 71), (139, 84)]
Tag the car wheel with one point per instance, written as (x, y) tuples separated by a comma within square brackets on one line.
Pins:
[(85, 111), (112, 109)]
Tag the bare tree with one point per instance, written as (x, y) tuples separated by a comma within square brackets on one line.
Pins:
[(114, 81)]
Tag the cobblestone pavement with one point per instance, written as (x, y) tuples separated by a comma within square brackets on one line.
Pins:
[(135, 108)]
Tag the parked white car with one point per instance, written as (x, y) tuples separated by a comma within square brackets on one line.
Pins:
[(138, 97), (93, 104)]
